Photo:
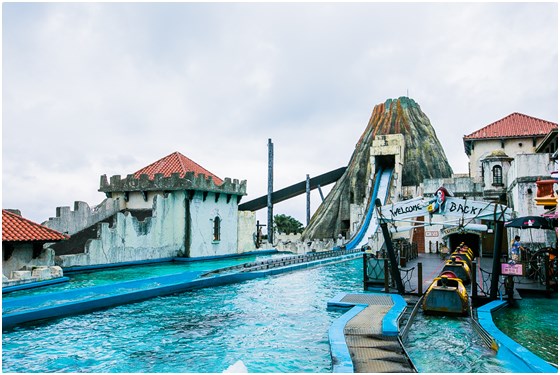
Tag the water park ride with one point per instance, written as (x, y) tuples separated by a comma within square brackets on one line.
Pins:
[(447, 295), (459, 267)]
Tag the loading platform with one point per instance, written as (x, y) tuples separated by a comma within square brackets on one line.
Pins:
[(365, 339)]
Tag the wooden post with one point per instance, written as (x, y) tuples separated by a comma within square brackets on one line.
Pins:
[(270, 230), (547, 274), (365, 263), (395, 273), (496, 262), (420, 279), (474, 284), (308, 199), (386, 272)]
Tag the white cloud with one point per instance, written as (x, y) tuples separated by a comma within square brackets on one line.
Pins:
[(91, 89)]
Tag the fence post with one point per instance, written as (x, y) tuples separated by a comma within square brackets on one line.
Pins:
[(473, 282), (420, 279), (386, 272), (547, 274), (365, 262)]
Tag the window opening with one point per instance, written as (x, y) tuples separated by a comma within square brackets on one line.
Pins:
[(217, 228), (497, 176)]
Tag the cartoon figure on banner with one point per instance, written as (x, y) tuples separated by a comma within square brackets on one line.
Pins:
[(437, 204)]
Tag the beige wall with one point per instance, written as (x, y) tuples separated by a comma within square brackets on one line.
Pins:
[(484, 147)]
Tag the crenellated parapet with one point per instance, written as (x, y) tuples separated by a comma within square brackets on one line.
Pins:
[(83, 216), (174, 182)]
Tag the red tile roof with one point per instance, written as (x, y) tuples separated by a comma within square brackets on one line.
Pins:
[(17, 228), (516, 125), (176, 163)]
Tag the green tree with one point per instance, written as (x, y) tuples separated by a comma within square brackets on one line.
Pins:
[(287, 224)]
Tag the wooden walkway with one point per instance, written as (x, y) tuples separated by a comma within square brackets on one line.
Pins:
[(370, 349)]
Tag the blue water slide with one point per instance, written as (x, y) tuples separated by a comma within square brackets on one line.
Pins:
[(381, 189)]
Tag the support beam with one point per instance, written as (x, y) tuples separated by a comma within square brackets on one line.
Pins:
[(497, 253), (395, 273), (320, 192), (293, 190)]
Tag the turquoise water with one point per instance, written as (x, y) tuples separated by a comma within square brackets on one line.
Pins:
[(533, 323), (446, 344), (274, 324), (120, 274)]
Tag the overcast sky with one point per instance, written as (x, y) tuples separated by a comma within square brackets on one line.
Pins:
[(104, 88)]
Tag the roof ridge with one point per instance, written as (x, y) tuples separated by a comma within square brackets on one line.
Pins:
[(153, 163), (536, 123), (177, 161), (194, 162), (534, 118), (487, 126)]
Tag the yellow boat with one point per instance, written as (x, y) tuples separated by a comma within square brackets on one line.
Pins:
[(463, 256), (459, 267), (446, 295)]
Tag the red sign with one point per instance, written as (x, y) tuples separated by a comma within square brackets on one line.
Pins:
[(512, 269)]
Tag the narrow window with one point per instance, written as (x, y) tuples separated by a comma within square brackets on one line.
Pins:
[(217, 228), (497, 176)]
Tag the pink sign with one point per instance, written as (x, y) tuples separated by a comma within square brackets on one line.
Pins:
[(512, 269)]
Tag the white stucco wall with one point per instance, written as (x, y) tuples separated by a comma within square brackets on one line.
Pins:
[(522, 191), (83, 216), (246, 230), (136, 200), (483, 148), (161, 236), (23, 257), (202, 222)]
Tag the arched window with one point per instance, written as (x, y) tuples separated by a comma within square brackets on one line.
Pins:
[(497, 176), (217, 221)]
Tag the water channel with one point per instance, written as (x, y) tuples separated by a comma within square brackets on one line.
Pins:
[(272, 324)]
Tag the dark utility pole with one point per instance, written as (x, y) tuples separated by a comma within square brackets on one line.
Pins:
[(497, 254), (270, 230), (395, 273), (308, 196)]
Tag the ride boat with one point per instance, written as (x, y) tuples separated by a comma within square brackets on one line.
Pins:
[(459, 267), (446, 295), (463, 256)]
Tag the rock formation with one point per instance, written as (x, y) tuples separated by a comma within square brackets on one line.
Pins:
[(424, 158)]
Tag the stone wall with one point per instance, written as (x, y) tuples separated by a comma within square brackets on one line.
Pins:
[(22, 258), (203, 211), (462, 186), (246, 231), (522, 191), (160, 236), (70, 222), (175, 182), (483, 148)]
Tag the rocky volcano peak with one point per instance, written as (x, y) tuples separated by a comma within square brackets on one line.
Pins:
[(424, 158)]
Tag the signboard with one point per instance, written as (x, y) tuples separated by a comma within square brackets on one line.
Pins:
[(512, 269), (432, 233), (408, 209), (454, 207)]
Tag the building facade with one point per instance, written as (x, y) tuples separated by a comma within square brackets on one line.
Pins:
[(172, 207), (514, 134), (25, 257)]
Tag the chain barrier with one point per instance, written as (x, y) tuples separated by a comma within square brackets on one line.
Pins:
[(484, 289), (375, 269), (406, 277)]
